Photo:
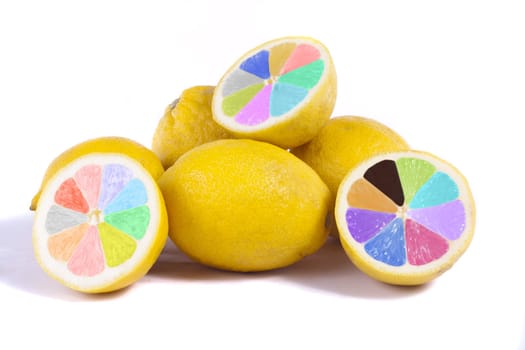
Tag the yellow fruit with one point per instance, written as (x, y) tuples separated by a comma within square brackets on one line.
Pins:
[(187, 123), (281, 92), (405, 217), (343, 143), (100, 224), (244, 205), (108, 144)]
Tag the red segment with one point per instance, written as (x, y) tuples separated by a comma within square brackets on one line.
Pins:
[(88, 180), (302, 55), (423, 245), (88, 258), (69, 196)]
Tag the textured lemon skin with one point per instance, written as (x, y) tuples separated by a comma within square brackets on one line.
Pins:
[(306, 121), (343, 143), (141, 266), (186, 123), (422, 276), (244, 205), (106, 144)]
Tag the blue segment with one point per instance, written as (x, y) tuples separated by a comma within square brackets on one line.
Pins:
[(439, 189), (258, 64), (285, 97), (131, 196), (389, 244)]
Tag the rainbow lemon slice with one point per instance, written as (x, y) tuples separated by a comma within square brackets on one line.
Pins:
[(281, 92), (404, 218), (100, 223)]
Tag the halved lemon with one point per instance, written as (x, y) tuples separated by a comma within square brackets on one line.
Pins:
[(100, 224), (406, 217), (281, 92)]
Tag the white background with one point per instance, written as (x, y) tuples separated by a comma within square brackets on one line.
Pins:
[(447, 75)]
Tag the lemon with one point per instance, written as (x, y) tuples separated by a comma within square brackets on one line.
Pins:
[(244, 205), (187, 123), (405, 217), (106, 144), (281, 92), (100, 224), (343, 143)]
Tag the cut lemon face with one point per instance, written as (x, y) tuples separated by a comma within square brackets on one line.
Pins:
[(281, 92), (406, 217), (100, 224)]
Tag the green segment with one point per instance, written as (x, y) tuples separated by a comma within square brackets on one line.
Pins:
[(413, 173), (306, 76), (233, 104), (118, 246), (133, 221)]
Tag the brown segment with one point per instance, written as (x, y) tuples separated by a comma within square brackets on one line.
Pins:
[(61, 246), (364, 195), (385, 177)]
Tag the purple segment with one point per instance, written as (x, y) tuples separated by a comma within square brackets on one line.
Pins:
[(447, 219), (257, 110), (114, 178), (364, 224)]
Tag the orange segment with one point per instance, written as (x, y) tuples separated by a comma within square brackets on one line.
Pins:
[(278, 56), (62, 245), (364, 195)]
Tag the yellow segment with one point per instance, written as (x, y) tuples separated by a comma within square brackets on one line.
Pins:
[(364, 195), (278, 56)]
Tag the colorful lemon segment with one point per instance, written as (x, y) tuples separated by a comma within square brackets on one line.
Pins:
[(281, 92), (100, 223), (405, 218)]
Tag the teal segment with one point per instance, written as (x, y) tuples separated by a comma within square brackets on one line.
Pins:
[(439, 189), (388, 246), (285, 97), (132, 195)]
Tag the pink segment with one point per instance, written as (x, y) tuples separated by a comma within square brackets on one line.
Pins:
[(88, 258), (88, 180), (423, 245), (257, 110), (303, 54)]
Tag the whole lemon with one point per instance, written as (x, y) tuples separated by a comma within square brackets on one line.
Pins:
[(186, 123), (343, 143), (244, 205)]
